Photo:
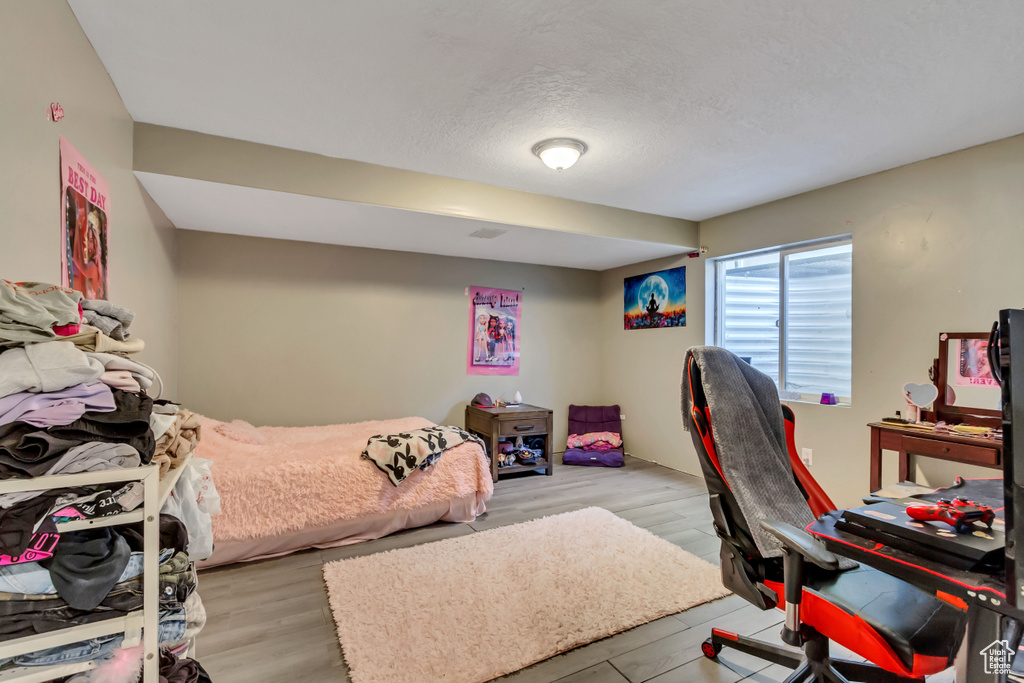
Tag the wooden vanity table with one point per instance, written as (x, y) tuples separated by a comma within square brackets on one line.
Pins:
[(984, 451), (907, 441)]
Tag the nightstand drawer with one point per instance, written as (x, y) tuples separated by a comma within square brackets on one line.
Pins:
[(523, 426), (947, 450)]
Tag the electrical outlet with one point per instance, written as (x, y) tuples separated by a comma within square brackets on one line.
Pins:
[(806, 454), (622, 416)]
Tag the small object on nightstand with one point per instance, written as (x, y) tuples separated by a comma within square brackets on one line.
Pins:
[(527, 457), (482, 400)]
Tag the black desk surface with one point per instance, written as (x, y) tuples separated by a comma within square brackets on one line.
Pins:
[(928, 574), (984, 595)]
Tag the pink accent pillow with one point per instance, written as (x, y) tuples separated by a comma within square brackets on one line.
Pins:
[(242, 432), (592, 439)]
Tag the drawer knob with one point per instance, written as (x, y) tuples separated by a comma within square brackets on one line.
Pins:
[(522, 428), (945, 450)]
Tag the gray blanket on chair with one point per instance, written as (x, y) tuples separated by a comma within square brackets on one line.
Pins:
[(750, 440)]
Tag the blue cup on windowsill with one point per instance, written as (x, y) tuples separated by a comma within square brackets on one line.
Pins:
[(828, 399)]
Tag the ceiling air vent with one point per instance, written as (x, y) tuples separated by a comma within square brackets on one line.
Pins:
[(488, 233)]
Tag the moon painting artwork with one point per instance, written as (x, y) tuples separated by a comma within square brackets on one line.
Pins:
[(655, 300)]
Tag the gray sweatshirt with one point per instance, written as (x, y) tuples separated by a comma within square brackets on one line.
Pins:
[(29, 310), (50, 366)]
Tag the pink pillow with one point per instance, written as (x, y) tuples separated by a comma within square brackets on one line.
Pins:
[(588, 440), (242, 432)]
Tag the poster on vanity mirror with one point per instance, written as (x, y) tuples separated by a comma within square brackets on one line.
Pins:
[(494, 331), (972, 368), (654, 300), (85, 207)]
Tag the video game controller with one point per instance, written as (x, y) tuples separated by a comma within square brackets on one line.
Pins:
[(958, 513)]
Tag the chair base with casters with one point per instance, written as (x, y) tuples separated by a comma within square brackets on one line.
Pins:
[(812, 664), (903, 631)]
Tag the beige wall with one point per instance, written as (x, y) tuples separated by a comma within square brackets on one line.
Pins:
[(292, 333), (46, 57), (938, 246)]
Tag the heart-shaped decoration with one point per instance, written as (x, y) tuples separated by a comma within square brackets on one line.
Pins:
[(920, 395)]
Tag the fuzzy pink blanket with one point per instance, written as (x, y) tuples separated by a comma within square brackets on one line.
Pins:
[(275, 480)]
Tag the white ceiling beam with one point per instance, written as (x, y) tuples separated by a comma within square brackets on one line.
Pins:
[(188, 154)]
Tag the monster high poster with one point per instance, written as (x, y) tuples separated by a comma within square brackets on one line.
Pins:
[(85, 200), (655, 300), (494, 331)]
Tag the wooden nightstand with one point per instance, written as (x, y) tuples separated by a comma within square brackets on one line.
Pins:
[(494, 424)]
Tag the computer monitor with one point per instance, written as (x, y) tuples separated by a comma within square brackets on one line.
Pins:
[(1006, 360)]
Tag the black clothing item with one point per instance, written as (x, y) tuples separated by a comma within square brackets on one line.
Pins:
[(28, 617), (129, 423), (184, 670), (172, 535), (41, 544), (18, 522), (102, 503), (29, 451), (86, 565)]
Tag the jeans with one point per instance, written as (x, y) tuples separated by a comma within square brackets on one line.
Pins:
[(22, 615), (171, 630), (29, 578)]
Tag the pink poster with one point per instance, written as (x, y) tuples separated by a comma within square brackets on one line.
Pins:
[(494, 331), (85, 198)]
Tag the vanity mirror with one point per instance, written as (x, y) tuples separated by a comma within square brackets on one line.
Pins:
[(967, 392)]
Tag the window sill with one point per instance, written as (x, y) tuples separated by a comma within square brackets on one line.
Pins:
[(841, 404)]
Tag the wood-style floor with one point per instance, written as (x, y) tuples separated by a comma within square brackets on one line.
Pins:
[(270, 621)]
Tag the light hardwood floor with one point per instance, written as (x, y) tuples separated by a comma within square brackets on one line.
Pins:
[(269, 621)]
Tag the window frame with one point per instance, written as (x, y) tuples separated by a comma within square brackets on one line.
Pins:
[(718, 292)]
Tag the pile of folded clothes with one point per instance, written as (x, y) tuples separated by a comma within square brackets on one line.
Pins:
[(72, 400)]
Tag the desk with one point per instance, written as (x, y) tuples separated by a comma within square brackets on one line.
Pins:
[(907, 441), (984, 595)]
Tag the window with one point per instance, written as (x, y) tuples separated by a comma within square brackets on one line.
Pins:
[(789, 313)]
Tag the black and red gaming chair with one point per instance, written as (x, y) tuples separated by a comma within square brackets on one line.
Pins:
[(903, 631)]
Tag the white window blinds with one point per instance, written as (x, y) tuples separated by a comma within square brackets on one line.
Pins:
[(789, 313)]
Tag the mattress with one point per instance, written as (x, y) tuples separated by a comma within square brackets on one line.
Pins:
[(346, 532), (287, 488)]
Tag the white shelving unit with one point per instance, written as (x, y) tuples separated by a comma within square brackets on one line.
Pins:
[(167, 485), (139, 625)]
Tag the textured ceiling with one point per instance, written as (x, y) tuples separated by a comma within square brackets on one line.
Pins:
[(690, 108)]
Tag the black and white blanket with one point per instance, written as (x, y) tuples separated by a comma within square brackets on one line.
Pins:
[(397, 455)]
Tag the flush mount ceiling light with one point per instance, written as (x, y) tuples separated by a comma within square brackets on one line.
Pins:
[(559, 153)]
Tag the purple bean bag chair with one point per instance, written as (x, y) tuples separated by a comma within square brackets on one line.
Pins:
[(587, 419)]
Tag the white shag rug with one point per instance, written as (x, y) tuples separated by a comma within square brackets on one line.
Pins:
[(472, 608)]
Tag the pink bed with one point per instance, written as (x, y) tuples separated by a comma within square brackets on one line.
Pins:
[(283, 489)]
